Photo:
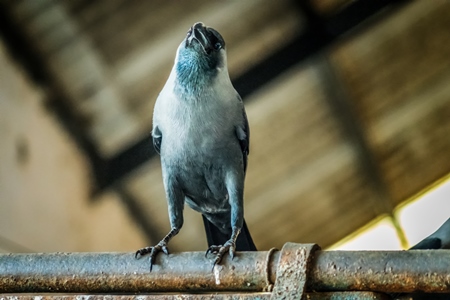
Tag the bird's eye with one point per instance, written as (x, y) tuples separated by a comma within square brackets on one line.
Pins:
[(217, 46)]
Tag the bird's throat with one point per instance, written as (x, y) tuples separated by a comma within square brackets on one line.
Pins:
[(192, 78)]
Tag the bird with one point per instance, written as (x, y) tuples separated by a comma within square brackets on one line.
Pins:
[(440, 239), (201, 132)]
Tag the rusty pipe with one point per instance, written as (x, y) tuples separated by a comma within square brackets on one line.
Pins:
[(121, 272), (385, 271)]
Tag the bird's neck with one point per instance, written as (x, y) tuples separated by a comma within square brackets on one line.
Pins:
[(193, 77)]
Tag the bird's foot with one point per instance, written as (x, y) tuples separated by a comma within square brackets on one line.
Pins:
[(153, 251), (220, 251)]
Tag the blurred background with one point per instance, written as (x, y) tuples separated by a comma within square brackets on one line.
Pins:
[(348, 104)]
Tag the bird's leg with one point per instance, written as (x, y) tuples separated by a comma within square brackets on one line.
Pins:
[(161, 246), (229, 246), (175, 202)]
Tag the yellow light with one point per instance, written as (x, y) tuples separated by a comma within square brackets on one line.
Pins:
[(421, 217), (418, 217), (377, 235)]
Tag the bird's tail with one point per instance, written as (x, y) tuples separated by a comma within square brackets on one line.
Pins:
[(214, 236)]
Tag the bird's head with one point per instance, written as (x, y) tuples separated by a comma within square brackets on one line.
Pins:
[(201, 56), (205, 41)]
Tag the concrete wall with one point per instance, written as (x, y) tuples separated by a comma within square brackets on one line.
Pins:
[(45, 183)]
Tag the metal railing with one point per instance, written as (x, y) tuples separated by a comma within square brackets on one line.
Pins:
[(294, 271)]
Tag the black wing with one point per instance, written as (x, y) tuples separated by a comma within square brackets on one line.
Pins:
[(243, 135), (157, 138)]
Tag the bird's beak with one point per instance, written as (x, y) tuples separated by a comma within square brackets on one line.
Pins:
[(198, 33)]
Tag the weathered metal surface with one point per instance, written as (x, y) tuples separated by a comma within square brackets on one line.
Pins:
[(346, 296), (221, 296), (121, 272), (216, 296), (292, 271), (382, 271)]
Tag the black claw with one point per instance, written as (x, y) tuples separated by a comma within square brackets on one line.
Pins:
[(153, 254), (152, 251), (231, 251), (220, 251), (151, 263), (142, 252), (212, 249)]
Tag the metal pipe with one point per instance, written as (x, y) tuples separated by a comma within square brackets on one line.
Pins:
[(385, 271), (121, 272), (215, 296)]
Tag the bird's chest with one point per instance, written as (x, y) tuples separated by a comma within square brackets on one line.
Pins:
[(199, 128)]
